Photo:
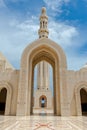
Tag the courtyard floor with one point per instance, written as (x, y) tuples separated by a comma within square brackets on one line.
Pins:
[(43, 123)]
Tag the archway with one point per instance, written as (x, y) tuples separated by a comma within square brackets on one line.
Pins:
[(43, 88), (42, 49), (83, 96), (43, 55), (3, 96), (80, 89), (43, 101)]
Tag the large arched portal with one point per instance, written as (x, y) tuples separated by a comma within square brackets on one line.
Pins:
[(43, 91), (83, 95), (42, 50), (3, 95), (43, 55)]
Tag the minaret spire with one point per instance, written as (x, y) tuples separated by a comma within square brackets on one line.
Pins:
[(43, 31)]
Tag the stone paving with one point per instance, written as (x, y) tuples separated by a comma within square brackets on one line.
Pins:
[(43, 123)]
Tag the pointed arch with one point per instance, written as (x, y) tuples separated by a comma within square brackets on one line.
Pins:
[(78, 87), (41, 98), (42, 49), (5, 84)]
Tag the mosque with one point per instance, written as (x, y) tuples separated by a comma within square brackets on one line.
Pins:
[(17, 94)]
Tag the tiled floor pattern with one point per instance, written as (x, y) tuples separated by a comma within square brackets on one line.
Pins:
[(43, 123)]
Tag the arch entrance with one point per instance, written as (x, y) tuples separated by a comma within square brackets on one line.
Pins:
[(43, 101), (5, 98), (43, 55), (3, 95), (42, 50), (83, 96)]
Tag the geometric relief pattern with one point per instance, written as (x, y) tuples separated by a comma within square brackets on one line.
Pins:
[(43, 123)]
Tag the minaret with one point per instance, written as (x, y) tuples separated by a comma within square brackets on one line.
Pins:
[(43, 72), (43, 31), (43, 68), (43, 76)]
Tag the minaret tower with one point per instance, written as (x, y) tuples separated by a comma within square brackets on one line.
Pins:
[(43, 31), (43, 67), (43, 77)]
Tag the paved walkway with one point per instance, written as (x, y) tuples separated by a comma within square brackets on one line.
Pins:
[(43, 123)]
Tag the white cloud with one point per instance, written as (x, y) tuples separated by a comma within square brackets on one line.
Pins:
[(63, 33), (16, 35), (56, 5), (71, 39)]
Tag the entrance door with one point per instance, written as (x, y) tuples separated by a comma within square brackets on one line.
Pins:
[(3, 95), (83, 95), (43, 102)]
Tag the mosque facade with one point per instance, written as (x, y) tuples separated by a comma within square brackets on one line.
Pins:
[(16, 86)]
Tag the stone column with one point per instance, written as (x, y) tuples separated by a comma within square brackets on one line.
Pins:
[(43, 75), (63, 94), (46, 75), (40, 80)]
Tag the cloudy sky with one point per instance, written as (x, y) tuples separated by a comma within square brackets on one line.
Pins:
[(19, 24)]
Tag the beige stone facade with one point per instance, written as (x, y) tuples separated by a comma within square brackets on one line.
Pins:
[(70, 87)]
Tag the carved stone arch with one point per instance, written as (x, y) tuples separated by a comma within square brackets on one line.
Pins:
[(5, 84), (78, 87), (48, 43), (46, 53), (42, 49), (40, 98)]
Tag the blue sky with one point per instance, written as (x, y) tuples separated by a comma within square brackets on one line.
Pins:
[(19, 24)]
